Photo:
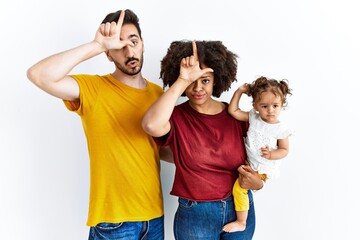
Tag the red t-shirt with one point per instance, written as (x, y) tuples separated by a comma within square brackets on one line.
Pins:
[(207, 150)]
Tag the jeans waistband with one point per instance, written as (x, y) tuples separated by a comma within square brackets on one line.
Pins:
[(228, 199)]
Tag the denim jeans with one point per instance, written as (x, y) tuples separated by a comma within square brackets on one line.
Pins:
[(147, 230), (205, 220)]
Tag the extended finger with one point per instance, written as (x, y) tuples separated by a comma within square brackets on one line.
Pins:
[(195, 53), (120, 20)]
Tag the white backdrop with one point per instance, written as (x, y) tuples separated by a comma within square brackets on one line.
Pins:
[(44, 170)]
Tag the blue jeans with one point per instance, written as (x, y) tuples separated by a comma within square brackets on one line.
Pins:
[(205, 220), (147, 230)]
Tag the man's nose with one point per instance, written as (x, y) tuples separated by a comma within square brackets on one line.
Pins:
[(129, 53)]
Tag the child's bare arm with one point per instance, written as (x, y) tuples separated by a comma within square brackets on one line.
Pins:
[(234, 109), (276, 154)]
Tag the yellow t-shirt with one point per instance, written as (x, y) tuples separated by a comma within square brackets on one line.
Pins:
[(124, 160)]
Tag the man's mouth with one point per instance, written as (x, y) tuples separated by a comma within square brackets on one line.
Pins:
[(132, 62)]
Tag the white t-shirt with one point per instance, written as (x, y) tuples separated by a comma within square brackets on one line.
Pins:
[(261, 134)]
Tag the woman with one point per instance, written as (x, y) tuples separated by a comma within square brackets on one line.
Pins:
[(207, 143)]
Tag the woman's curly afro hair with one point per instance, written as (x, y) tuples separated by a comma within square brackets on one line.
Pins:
[(212, 54)]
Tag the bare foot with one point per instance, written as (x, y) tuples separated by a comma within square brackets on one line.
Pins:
[(235, 226)]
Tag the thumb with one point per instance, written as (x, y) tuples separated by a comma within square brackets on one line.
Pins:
[(206, 70)]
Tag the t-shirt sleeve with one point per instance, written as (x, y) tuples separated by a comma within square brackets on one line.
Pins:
[(244, 128), (285, 132), (162, 141), (165, 140), (89, 86)]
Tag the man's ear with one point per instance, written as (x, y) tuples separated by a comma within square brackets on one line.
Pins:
[(143, 45), (109, 56)]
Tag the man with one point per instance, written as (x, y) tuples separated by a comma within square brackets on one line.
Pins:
[(125, 191)]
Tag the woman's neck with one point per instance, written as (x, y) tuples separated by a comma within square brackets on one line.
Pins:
[(210, 107)]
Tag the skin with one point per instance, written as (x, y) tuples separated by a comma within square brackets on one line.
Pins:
[(198, 84), (191, 78), (121, 44), (269, 107), (199, 93)]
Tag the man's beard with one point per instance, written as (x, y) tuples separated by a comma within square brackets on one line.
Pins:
[(132, 71)]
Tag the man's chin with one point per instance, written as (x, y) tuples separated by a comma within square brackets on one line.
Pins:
[(134, 72)]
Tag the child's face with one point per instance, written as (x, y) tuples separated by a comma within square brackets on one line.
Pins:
[(269, 106)]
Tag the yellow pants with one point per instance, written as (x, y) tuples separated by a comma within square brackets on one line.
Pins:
[(241, 198)]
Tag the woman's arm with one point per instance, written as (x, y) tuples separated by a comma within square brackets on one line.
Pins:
[(166, 154), (156, 119)]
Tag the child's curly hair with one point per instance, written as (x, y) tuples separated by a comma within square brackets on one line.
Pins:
[(212, 54), (263, 84)]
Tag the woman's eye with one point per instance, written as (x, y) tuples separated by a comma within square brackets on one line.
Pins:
[(205, 81)]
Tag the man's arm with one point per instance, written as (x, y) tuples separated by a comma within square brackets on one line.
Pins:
[(51, 73)]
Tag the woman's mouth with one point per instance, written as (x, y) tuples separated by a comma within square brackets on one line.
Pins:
[(198, 96)]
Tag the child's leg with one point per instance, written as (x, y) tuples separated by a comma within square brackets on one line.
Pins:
[(239, 224), (241, 201)]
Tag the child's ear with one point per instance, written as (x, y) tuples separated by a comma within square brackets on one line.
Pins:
[(254, 106)]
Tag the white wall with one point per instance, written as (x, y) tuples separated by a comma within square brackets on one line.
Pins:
[(313, 43)]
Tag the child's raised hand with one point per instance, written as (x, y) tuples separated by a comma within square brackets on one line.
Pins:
[(244, 88), (265, 152), (190, 67)]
